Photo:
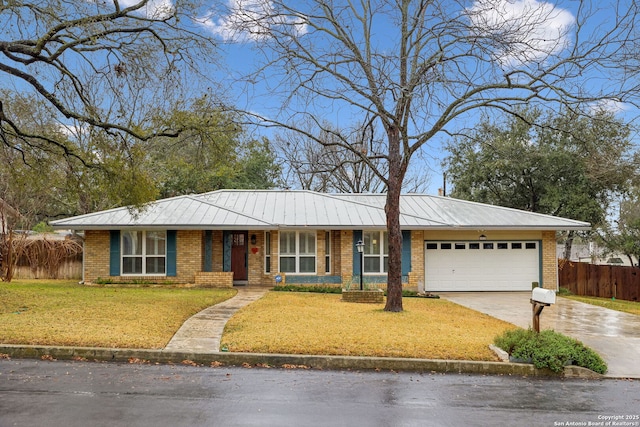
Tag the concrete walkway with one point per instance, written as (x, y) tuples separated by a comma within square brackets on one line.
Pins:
[(201, 333), (614, 335)]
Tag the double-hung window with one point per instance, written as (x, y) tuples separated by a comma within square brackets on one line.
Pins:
[(144, 252), (297, 251), (376, 251)]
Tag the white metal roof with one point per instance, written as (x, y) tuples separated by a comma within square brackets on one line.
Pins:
[(272, 209)]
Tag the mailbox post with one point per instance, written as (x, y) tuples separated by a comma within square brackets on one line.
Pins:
[(540, 298)]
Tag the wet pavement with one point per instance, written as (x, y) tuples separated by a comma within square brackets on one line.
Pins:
[(614, 335), (70, 394)]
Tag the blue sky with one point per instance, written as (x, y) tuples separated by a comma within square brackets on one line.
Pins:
[(550, 36), (241, 50)]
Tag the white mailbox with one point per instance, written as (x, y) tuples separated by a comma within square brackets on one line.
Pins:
[(543, 296)]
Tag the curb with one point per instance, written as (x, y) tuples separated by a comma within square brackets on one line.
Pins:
[(287, 361)]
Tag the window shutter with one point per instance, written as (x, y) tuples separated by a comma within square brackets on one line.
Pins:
[(357, 235), (226, 250), (114, 252), (406, 252), (171, 253)]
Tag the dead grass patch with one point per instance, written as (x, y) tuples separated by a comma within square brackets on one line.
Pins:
[(66, 313), (301, 323)]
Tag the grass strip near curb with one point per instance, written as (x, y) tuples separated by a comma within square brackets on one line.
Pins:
[(631, 307), (68, 314), (304, 323)]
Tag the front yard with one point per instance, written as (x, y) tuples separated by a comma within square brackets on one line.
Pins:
[(66, 313), (305, 323)]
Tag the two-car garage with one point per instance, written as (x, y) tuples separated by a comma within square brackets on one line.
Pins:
[(481, 265)]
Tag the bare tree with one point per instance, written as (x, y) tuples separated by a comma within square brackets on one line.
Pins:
[(417, 69), (329, 167), (98, 64)]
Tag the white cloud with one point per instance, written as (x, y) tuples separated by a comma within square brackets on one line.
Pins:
[(251, 20), (521, 31), (154, 9), (609, 105)]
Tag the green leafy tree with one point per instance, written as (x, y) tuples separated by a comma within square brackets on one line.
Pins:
[(563, 165), (45, 184), (213, 152), (623, 236)]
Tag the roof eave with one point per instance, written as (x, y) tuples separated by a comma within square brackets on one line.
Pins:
[(315, 227)]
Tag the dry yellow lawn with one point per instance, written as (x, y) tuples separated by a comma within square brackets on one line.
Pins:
[(64, 313), (305, 323)]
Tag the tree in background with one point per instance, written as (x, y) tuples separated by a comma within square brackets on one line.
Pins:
[(415, 70), (623, 236), (329, 168), (43, 184), (100, 68), (556, 164), (212, 152)]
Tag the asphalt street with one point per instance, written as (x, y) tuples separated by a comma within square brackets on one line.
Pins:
[(56, 393)]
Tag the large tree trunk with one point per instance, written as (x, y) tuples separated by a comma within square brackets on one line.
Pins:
[(392, 210)]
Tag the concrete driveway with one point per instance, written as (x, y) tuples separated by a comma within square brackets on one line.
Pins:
[(614, 335)]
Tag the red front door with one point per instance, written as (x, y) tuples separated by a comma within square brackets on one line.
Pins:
[(239, 255)]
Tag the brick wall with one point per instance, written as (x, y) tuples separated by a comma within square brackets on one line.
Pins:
[(336, 261), (416, 275), (96, 255), (217, 250), (367, 297), (549, 260), (255, 261), (346, 257), (216, 279), (188, 255)]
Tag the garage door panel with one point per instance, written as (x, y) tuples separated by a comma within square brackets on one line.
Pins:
[(481, 266)]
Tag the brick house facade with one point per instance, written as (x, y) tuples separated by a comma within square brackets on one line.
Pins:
[(261, 245), (190, 260)]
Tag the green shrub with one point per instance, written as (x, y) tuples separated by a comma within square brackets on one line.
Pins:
[(549, 349), (564, 292), (42, 227), (316, 289)]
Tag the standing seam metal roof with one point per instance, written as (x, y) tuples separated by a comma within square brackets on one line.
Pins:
[(271, 209)]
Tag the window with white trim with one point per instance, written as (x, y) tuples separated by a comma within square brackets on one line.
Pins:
[(297, 251), (144, 252), (376, 251)]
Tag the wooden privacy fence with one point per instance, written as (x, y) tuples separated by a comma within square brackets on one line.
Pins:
[(605, 281)]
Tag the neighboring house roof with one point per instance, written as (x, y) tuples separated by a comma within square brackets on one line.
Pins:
[(272, 209)]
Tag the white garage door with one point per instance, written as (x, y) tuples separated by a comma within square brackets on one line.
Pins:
[(481, 266)]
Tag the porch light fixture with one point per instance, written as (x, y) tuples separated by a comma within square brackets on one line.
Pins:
[(253, 239), (360, 248), (482, 237)]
